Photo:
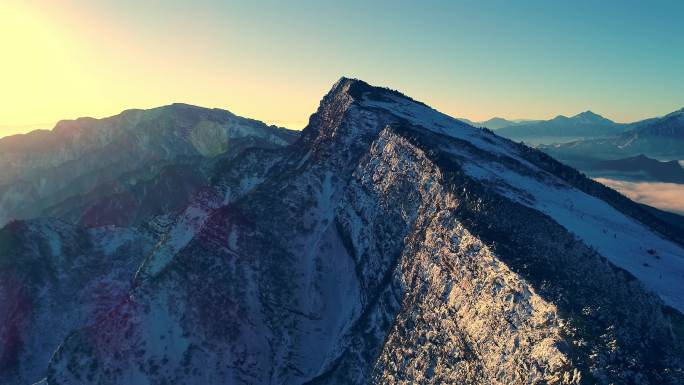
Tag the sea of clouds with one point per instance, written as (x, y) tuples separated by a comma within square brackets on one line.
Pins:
[(665, 196)]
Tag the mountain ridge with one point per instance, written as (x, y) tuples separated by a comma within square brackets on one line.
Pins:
[(49, 167), (387, 140), (374, 250)]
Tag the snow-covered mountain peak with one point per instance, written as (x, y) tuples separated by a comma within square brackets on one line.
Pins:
[(590, 117), (679, 113), (526, 181), (392, 244), (354, 112), (588, 114)]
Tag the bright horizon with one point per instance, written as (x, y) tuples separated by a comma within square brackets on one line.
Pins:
[(274, 61)]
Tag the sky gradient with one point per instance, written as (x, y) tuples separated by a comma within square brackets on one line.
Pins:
[(273, 60)]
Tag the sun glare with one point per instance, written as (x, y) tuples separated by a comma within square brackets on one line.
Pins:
[(38, 70)]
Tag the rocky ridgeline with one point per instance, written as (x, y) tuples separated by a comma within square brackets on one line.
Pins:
[(392, 244)]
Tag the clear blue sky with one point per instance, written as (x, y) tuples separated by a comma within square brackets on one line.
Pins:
[(273, 60)]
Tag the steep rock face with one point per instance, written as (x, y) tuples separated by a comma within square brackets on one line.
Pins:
[(445, 293), (394, 244), (521, 302), (55, 277), (46, 172)]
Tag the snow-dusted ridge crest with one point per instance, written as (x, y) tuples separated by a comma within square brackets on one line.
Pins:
[(588, 217), (393, 244)]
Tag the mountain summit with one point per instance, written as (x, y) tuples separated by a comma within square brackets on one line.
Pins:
[(393, 244), (589, 116)]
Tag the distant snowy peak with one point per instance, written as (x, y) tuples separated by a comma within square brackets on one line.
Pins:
[(669, 126), (591, 117), (679, 112), (587, 117)]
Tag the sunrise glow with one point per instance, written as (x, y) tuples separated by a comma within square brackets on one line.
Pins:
[(65, 59)]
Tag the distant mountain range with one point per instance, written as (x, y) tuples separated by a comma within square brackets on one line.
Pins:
[(562, 128), (647, 150), (661, 138), (582, 127), (497, 123)]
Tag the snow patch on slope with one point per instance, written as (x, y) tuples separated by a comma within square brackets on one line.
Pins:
[(440, 123), (628, 244), (657, 262), (111, 238), (184, 230)]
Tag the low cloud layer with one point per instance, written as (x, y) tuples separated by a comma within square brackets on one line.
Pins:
[(665, 196)]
